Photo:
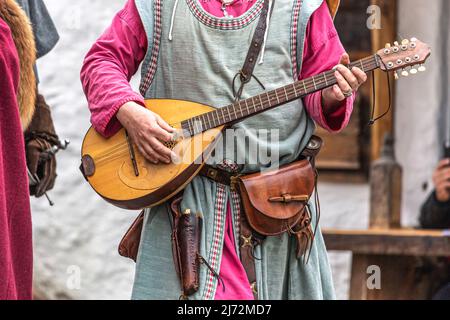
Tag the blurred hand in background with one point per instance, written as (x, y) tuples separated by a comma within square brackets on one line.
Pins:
[(441, 179)]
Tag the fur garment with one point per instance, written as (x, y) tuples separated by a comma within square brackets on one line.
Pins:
[(23, 37)]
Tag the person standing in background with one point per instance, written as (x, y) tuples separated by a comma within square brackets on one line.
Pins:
[(17, 87), (435, 213), (26, 132)]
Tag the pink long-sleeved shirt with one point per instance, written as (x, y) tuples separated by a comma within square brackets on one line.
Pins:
[(117, 54), (116, 57)]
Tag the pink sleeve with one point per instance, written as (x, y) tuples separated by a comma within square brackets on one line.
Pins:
[(109, 66), (323, 50)]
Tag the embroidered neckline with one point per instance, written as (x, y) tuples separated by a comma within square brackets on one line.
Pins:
[(225, 23)]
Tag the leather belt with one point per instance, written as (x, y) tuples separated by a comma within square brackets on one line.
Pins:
[(226, 178), (217, 175)]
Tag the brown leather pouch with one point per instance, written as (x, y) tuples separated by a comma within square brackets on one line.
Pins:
[(129, 245), (277, 202), (186, 237)]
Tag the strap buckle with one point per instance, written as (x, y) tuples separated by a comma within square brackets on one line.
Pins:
[(254, 288), (244, 78), (234, 180)]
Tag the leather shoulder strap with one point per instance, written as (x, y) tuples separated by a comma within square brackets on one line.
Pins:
[(246, 73)]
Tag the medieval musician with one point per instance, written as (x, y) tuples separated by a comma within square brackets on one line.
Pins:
[(192, 50)]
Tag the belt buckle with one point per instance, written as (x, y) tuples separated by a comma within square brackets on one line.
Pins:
[(234, 182), (313, 144)]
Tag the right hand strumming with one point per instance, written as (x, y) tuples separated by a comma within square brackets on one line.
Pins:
[(148, 131)]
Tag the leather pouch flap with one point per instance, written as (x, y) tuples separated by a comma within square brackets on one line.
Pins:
[(283, 193)]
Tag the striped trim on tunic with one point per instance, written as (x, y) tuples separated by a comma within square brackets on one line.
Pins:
[(294, 34), (217, 242), (148, 79), (236, 200)]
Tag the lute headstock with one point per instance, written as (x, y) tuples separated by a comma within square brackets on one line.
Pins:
[(405, 56)]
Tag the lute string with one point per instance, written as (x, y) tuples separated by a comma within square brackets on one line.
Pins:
[(290, 90)]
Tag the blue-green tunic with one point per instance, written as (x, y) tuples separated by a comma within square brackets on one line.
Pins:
[(197, 62)]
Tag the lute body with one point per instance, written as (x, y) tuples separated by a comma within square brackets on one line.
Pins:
[(114, 177)]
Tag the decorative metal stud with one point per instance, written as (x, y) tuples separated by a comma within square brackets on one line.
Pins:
[(254, 288), (212, 173), (247, 241)]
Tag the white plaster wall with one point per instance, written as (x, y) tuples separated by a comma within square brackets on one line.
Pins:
[(418, 106), (81, 231)]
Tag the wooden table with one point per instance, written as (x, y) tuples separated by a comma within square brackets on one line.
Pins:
[(397, 252)]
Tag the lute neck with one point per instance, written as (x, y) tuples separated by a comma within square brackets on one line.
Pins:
[(270, 99)]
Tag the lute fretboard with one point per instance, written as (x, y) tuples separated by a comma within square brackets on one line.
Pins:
[(270, 99)]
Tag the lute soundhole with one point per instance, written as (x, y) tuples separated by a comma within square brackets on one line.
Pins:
[(171, 145)]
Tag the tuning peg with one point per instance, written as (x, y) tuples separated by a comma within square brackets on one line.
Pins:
[(405, 42), (405, 73), (396, 43), (413, 39), (413, 71), (387, 46), (396, 75), (422, 68)]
